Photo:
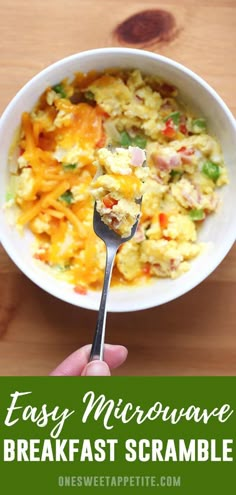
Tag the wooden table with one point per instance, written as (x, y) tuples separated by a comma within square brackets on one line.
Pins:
[(193, 335)]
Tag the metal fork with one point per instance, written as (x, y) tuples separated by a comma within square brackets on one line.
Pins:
[(112, 242)]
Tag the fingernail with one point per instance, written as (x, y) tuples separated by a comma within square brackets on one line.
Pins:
[(97, 368)]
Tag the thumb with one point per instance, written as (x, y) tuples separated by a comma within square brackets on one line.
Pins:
[(96, 368)]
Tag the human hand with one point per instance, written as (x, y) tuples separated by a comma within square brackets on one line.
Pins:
[(77, 363)]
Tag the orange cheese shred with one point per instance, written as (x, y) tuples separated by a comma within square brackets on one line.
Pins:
[(70, 216), (43, 203)]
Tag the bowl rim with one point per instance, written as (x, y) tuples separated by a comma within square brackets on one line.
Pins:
[(203, 274)]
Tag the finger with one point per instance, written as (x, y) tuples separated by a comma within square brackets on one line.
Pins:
[(115, 355), (96, 368), (73, 365)]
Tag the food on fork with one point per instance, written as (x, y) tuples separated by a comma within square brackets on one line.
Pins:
[(118, 187)]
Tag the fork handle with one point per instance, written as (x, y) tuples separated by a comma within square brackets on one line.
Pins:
[(99, 336)]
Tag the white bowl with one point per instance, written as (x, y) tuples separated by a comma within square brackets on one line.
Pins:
[(218, 230)]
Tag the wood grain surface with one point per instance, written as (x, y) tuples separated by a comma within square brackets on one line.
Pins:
[(194, 335)]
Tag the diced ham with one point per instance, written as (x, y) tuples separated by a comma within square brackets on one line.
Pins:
[(186, 159), (138, 156), (167, 164), (175, 161), (139, 235), (162, 163), (186, 154)]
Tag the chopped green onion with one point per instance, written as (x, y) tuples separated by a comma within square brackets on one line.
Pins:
[(13, 187), (61, 268), (70, 166), (176, 173), (67, 197), (58, 88), (211, 170), (196, 215), (140, 141), (9, 196), (89, 95), (198, 126), (174, 116), (125, 139)]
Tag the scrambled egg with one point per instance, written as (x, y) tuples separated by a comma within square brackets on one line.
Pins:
[(86, 140), (25, 188)]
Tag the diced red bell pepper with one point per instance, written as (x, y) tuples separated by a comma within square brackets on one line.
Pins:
[(109, 202), (183, 129), (146, 269), (163, 218), (169, 130), (79, 289), (41, 256), (186, 151)]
